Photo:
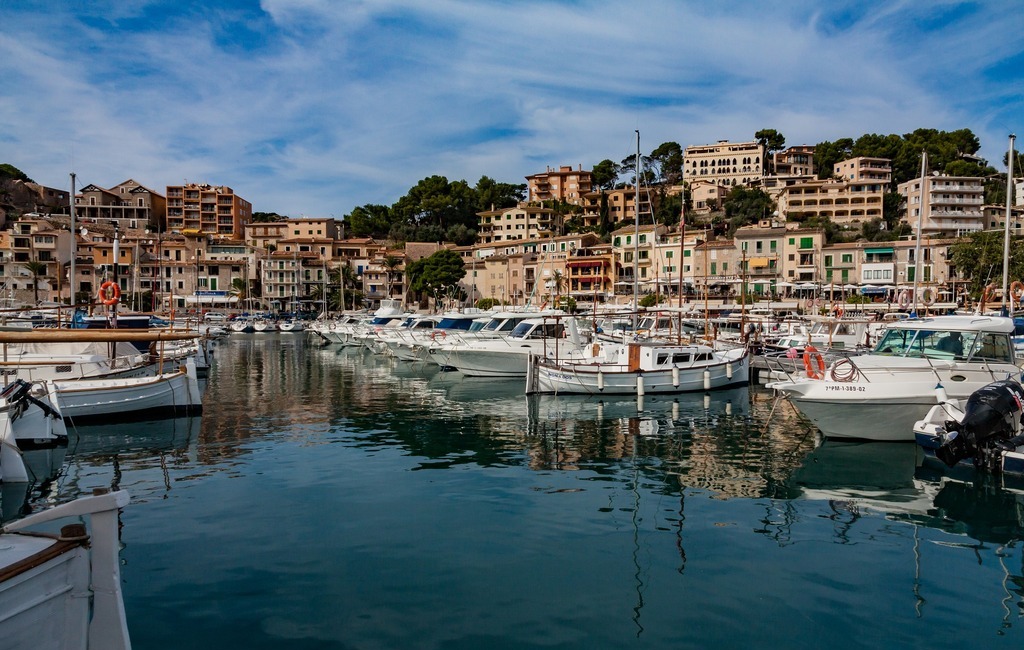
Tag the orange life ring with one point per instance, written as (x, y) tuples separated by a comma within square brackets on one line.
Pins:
[(814, 364), (1017, 290), (435, 333), (109, 293), (837, 311)]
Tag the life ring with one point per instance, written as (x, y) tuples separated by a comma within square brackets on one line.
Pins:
[(837, 311), (904, 299), (928, 296), (810, 303), (435, 333), (109, 293), (1017, 291), (814, 364)]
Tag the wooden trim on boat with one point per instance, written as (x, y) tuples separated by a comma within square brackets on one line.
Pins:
[(50, 335), (58, 548)]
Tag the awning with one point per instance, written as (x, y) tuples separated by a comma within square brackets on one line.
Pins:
[(879, 251), (758, 262)]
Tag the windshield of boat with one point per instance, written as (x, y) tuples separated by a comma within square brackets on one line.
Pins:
[(539, 331), (454, 324), (946, 344)]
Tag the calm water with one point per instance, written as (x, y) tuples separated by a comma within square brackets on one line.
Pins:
[(332, 499)]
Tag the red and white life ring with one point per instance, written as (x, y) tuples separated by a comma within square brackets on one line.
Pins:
[(109, 293)]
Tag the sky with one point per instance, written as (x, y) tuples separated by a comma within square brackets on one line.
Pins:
[(314, 107)]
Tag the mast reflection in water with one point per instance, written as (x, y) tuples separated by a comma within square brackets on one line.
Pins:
[(334, 499)]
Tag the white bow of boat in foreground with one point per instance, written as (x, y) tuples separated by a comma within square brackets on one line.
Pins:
[(881, 395), (63, 590)]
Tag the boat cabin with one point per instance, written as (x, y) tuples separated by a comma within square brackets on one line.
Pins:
[(988, 342)]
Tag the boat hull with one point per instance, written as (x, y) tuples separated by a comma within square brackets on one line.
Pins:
[(108, 399), (589, 379)]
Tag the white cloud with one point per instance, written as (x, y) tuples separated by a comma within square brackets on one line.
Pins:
[(316, 107)]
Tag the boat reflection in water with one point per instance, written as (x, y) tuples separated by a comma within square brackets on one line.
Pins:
[(98, 456), (43, 465)]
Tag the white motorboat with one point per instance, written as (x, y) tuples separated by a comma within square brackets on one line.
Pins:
[(30, 414), (63, 590), (509, 356), (879, 396), (290, 326), (410, 344), (982, 432), (640, 368), (165, 393), (495, 326)]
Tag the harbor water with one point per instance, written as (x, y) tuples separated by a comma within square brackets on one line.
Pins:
[(333, 499)]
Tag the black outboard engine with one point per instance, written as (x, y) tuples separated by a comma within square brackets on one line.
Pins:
[(991, 424)]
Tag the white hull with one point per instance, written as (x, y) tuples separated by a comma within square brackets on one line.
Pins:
[(880, 410), (64, 593), (593, 379), (178, 391)]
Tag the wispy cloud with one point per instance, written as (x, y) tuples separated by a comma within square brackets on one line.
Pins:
[(317, 106)]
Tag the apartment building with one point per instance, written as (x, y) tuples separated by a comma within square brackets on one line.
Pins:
[(200, 208), (794, 161), (716, 267), (635, 253), (590, 274), (952, 205), (521, 222), (562, 184), (33, 255), (762, 253), (862, 168), (843, 202), (707, 197), (888, 266), (127, 205), (724, 163), (621, 205), (995, 218), (801, 255)]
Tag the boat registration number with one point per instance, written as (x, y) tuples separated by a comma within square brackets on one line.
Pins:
[(840, 387)]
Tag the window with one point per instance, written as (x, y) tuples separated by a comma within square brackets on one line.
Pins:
[(847, 258)]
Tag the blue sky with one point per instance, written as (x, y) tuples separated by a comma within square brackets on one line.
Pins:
[(314, 107)]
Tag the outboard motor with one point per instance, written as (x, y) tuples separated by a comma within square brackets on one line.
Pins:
[(991, 424)]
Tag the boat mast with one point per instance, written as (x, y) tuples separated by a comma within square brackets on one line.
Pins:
[(682, 258), (636, 235), (74, 241), (1006, 236), (920, 220)]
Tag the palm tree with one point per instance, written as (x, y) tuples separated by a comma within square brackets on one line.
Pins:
[(391, 264), (35, 269), (239, 289), (558, 281)]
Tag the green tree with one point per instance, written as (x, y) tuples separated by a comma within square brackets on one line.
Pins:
[(239, 290), (827, 154), (391, 264), (744, 206), (604, 175), (772, 141), (8, 171), (36, 269), (267, 217), (979, 259), (369, 221), (492, 195), (668, 159), (431, 274)]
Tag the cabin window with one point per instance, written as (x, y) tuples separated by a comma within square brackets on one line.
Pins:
[(680, 358), (702, 356), (661, 359)]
